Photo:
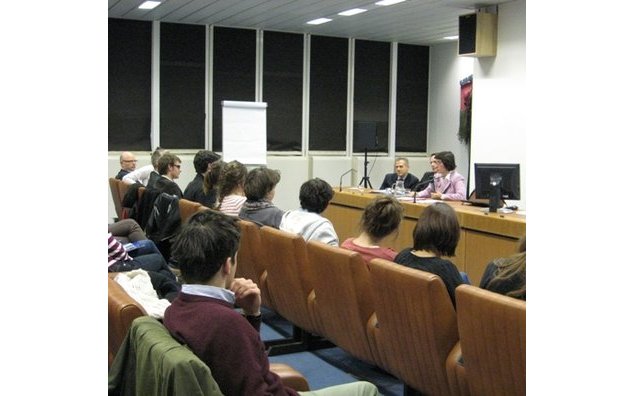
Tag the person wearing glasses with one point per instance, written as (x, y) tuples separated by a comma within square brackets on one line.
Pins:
[(448, 185), (169, 167), (128, 164)]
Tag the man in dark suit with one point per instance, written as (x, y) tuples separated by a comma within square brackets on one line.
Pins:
[(401, 172)]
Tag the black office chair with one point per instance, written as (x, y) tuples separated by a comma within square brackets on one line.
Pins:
[(427, 178)]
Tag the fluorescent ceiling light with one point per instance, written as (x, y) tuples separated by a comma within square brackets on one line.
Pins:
[(148, 5), (388, 2), (450, 38), (318, 21), (353, 11)]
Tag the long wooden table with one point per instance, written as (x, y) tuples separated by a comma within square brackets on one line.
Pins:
[(484, 236)]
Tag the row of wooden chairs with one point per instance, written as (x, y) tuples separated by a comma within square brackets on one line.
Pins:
[(118, 190), (391, 316)]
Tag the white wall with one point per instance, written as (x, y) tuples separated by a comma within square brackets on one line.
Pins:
[(499, 97), (446, 69)]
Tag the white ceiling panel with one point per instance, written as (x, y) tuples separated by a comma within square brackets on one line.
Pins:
[(423, 22)]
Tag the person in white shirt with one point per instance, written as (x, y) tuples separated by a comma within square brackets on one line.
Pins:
[(314, 197)]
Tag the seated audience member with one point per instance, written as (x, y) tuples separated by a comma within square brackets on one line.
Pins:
[(146, 175), (401, 172), (212, 180), (436, 234), (448, 184), (507, 275), (380, 220), (128, 164), (259, 189), (127, 230), (230, 343), (195, 191), (169, 167), (231, 188), (120, 260), (314, 197)]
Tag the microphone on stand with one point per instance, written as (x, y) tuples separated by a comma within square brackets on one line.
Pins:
[(345, 173), (420, 184)]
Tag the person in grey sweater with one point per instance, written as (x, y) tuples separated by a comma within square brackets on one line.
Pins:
[(259, 189)]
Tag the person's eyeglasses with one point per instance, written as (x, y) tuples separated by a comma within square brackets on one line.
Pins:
[(130, 160), (178, 166)]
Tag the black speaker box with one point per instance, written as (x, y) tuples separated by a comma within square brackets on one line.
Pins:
[(477, 34)]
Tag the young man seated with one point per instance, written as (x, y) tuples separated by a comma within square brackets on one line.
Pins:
[(204, 318)]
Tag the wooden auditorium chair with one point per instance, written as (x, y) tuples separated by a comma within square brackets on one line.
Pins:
[(114, 191), (288, 278), (251, 259), (492, 330), (417, 323), (345, 302), (122, 310), (187, 208)]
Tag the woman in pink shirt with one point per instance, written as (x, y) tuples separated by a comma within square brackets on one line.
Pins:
[(380, 221)]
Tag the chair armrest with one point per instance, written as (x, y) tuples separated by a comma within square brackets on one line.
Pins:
[(290, 377), (456, 372)]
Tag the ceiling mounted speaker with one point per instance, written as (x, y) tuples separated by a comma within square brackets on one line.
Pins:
[(477, 34)]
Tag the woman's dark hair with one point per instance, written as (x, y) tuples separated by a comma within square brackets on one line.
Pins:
[(447, 158), (381, 217), (315, 195), (204, 244), (212, 178), (437, 230), (260, 181), (233, 174)]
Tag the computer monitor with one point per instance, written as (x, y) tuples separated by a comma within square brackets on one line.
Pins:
[(497, 182)]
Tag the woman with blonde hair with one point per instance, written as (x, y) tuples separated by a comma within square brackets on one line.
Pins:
[(507, 275), (380, 221)]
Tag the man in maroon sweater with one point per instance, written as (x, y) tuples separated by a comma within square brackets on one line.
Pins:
[(203, 315)]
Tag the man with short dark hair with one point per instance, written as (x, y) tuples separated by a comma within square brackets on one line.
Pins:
[(203, 316), (194, 191), (401, 172), (314, 197)]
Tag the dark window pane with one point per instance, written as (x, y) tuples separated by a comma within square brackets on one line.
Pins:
[(328, 93), (282, 90), (233, 72), (182, 86), (371, 95), (129, 84), (411, 98)]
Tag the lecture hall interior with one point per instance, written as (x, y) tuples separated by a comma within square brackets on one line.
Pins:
[(337, 91)]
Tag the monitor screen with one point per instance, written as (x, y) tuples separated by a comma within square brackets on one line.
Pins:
[(508, 175)]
